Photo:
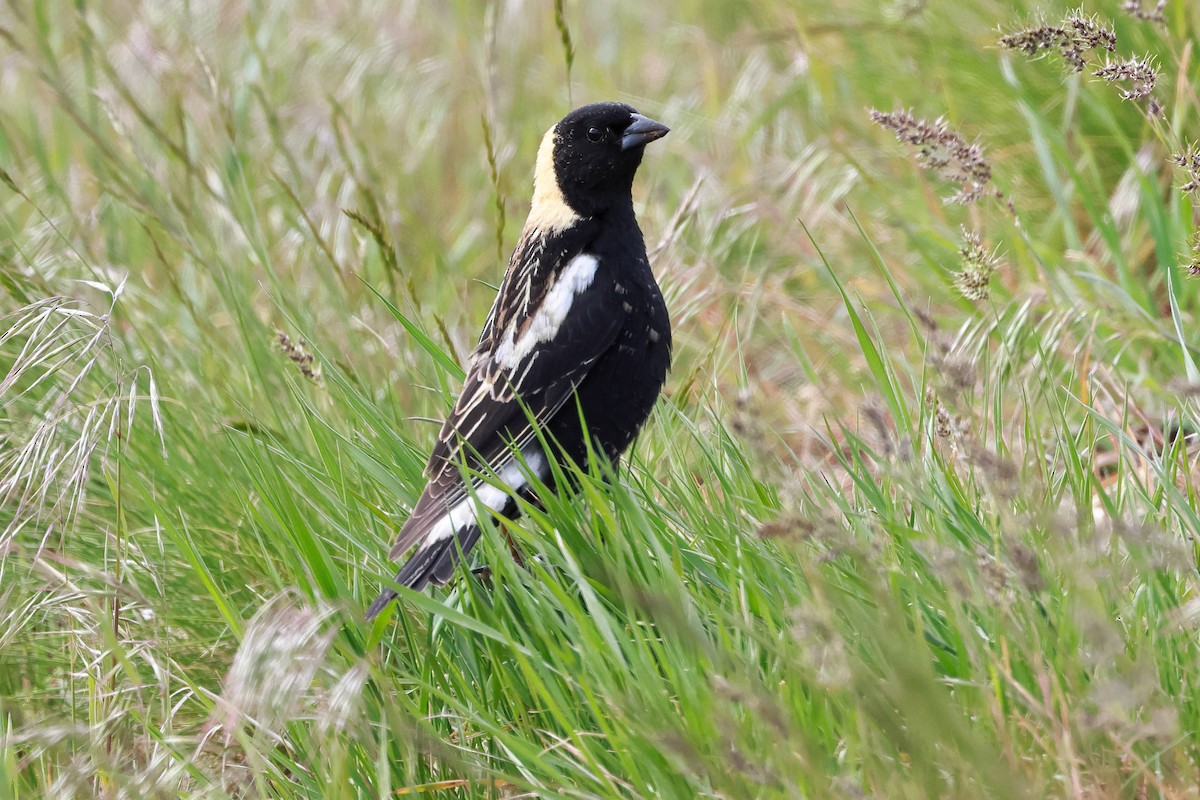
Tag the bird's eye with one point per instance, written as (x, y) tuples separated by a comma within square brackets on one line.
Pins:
[(595, 134)]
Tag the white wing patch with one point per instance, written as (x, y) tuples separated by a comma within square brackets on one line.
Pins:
[(488, 497), (574, 279)]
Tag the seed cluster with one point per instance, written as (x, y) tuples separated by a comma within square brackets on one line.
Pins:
[(1193, 264), (978, 265), (1073, 38), (1139, 73), (1191, 162), (1134, 7), (944, 151), (297, 353), (1079, 35)]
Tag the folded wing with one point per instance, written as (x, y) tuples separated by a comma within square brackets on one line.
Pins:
[(555, 315)]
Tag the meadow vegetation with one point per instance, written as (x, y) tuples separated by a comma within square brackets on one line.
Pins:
[(916, 517)]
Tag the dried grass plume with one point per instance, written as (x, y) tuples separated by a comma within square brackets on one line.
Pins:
[(945, 151)]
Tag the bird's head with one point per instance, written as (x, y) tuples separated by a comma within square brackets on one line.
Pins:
[(587, 161)]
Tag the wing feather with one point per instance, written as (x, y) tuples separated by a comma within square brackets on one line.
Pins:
[(554, 331)]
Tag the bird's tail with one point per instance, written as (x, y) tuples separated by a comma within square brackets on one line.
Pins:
[(433, 562)]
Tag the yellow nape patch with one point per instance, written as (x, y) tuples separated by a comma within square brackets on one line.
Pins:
[(549, 212)]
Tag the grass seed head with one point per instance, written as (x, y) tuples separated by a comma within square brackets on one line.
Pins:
[(1076, 36), (1134, 9), (297, 352), (273, 670), (902, 10), (340, 705), (1026, 566), (978, 266), (942, 426), (954, 372), (945, 151), (993, 579), (1088, 34), (1139, 73), (1192, 257), (1190, 161)]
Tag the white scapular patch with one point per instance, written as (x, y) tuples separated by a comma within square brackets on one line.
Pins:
[(488, 497), (549, 212), (574, 279)]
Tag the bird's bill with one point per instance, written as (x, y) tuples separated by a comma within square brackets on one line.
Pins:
[(642, 131)]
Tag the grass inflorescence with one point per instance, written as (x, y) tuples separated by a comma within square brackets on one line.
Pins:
[(945, 151), (881, 538), (1074, 38), (978, 265)]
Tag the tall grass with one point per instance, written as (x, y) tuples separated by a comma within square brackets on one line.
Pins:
[(879, 539)]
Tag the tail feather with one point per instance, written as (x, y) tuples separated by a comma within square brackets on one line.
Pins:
[(442, 569), (449, 528), (433, 563)]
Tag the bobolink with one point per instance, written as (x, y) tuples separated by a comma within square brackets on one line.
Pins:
[(579, 330)]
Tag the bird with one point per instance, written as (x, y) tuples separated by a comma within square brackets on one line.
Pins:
[(578, 339)]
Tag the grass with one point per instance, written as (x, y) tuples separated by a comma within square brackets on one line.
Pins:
[(878, 539)]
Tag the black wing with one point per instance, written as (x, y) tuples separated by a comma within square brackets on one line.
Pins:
[(550, 323)]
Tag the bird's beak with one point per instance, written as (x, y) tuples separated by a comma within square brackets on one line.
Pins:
[(642, 131)]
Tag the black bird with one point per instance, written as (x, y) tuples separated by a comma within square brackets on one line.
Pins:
[(579, 328)]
